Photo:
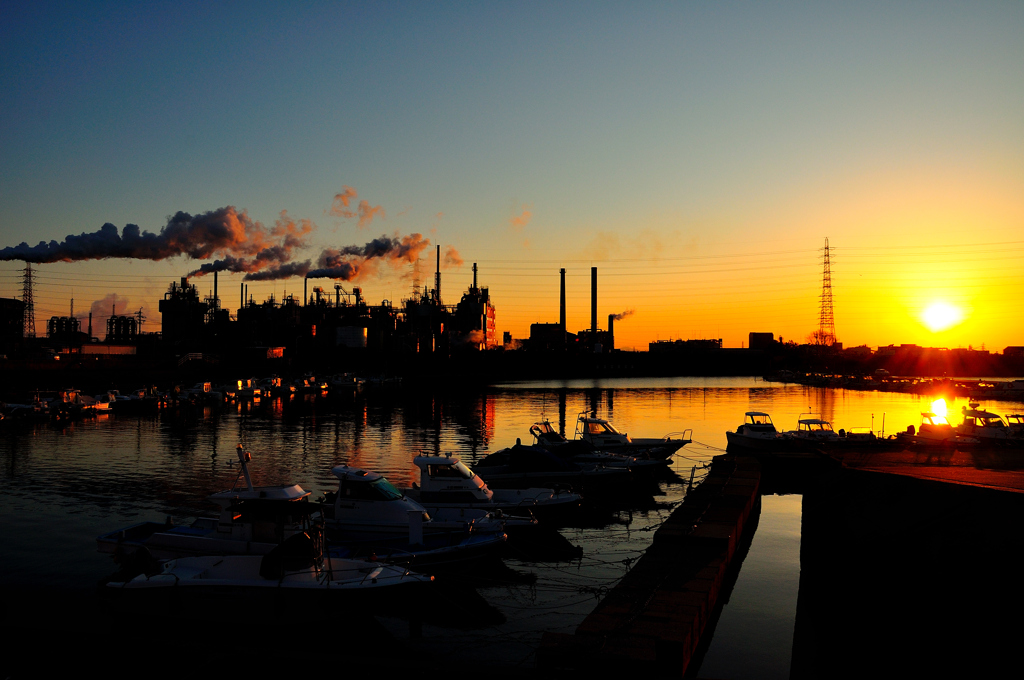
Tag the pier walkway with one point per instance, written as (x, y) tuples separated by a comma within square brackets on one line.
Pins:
[(652, 621), (999, 469)]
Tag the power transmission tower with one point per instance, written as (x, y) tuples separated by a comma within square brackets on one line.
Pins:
[(826, 334), (30, 305)]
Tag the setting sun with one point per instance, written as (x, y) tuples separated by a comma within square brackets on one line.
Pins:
[(940, 315)]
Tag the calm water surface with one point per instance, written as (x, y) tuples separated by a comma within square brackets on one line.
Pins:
[(63, 486)]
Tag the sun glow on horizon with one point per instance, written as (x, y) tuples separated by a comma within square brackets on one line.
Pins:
[(939, 316)]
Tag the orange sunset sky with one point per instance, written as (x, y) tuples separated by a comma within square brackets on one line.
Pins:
[(698, 154)]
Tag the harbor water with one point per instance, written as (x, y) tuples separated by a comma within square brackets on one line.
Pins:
[(63, 485)]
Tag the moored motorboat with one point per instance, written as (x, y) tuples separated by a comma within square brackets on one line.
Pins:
[(582, 452), (603, 436), (813, 432), (757, 432), (253, 520), (297, 565), (447, 484), (366, 506), (522, 466), (987, 427), (934, 430)]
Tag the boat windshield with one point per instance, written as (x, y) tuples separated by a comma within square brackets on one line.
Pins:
[(935, 420), (386, 489), (992, 422), (600, 427), (759, 419), (456, 470)]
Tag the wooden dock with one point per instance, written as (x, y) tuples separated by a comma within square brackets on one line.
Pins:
[(653, 620)]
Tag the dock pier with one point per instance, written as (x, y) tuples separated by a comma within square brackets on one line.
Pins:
[(653, 620)]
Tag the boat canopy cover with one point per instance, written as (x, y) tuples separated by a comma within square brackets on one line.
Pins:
[(988, 415), (355, 474)]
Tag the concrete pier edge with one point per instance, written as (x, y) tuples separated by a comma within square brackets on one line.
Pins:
[(652, 621)]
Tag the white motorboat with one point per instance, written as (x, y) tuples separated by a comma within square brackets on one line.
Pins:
[(297, 565), (603, 436), (446, 484), (367, 506), (815, 431), (253, 520), (985, 426), (579, 451), (935, 430), (1015, 424), (527, 466), (757, 432)]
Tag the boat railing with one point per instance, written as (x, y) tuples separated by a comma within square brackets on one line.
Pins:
[(686, 434)]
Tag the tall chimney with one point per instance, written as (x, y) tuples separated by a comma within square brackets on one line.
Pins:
[(215, 298), (437, 277), (90, 326), (561, 303), (474, 277), (241, 292), (610, 345), (305, 294), (593, 299)]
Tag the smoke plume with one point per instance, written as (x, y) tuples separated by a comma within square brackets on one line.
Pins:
[(623, 315), (517, 222), (352, 262), (102, 310), (284, 271), (286, 235), (451, 258), (225, 232), (342, 207)]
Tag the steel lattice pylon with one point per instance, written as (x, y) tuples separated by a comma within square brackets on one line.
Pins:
[(30, 305), (826, 334)]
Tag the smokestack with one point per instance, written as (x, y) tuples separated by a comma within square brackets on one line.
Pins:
[(593, 299), (90, 326), (561, 304), (437, 277), (305, 294), (474, 277), (215, 298), (611, 332), (241, 293)]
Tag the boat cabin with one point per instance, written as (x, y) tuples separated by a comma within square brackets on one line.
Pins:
[(367, 498), (973, 418), (815, 428), (758, 421), (1015, 424), (444, 479), (599, 431), (546, 435), (356, 484)]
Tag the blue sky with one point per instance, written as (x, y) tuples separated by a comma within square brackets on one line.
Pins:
[(634, 135)]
